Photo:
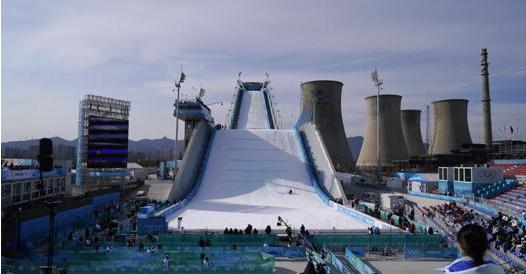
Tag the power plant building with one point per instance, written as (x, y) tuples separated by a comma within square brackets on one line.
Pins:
[(321, 103), (392, 144), (450, 126), (412, 133)]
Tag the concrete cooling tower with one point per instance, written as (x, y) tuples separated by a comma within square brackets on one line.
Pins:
[(412, 133), (392, 144), (321, 103), (450, 126)]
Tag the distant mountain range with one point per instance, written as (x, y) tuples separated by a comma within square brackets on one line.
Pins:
[(145, 149)]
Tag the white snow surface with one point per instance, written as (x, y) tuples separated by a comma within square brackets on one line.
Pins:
[(247, 180), (253, 112)]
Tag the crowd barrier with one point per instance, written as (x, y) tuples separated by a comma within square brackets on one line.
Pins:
[(439, 197)]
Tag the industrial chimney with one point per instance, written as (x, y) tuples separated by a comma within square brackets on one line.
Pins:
[(486, 101), (392, 144), (450, 126), (411, 131), (321, 103)]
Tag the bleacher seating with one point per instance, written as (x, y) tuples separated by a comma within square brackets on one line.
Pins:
[(131, 260), (512, 169), (505, 257), (515, 197), (493, 189)]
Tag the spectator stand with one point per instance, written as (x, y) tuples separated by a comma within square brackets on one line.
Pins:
[(395, 219), (506, 235), (145, 255)]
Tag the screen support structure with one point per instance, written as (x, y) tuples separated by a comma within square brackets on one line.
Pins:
[(94, 105)]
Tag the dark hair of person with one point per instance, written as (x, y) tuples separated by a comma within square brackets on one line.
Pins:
[(473, 241)]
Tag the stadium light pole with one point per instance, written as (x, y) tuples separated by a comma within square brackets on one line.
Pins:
[(378, 83), (178, 86), (18, 236)]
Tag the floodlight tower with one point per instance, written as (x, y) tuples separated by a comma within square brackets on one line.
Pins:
[(378, 83), (178, 86)]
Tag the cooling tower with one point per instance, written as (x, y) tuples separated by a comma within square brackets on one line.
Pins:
[(392, 144), (412, 133), (450, 126), (321, 103)]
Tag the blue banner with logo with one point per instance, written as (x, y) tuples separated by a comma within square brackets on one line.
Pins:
[(15, 175)]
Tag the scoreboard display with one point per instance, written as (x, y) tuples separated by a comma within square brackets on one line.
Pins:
[(107, 142)]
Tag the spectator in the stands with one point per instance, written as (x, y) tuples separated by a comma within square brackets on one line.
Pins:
[(429, 230), (166, 262), (248, 229), (473, 244)]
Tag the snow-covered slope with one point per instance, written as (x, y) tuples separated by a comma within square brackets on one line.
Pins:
[(247, 180)]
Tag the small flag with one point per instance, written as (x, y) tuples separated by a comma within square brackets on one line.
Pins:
[(511, 129)]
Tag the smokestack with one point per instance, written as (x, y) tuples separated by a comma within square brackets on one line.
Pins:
[(486, 101), (392, 144), (411, 131), (450, 126), (321, 102)]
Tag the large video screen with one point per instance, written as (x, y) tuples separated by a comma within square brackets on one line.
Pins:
[(107, 142)]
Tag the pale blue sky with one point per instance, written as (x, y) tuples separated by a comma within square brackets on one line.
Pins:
[(55, 52)]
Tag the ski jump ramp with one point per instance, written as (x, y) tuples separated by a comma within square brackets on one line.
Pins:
[(254, 174)]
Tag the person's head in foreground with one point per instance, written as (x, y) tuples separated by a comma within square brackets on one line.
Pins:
[(473, 243)]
